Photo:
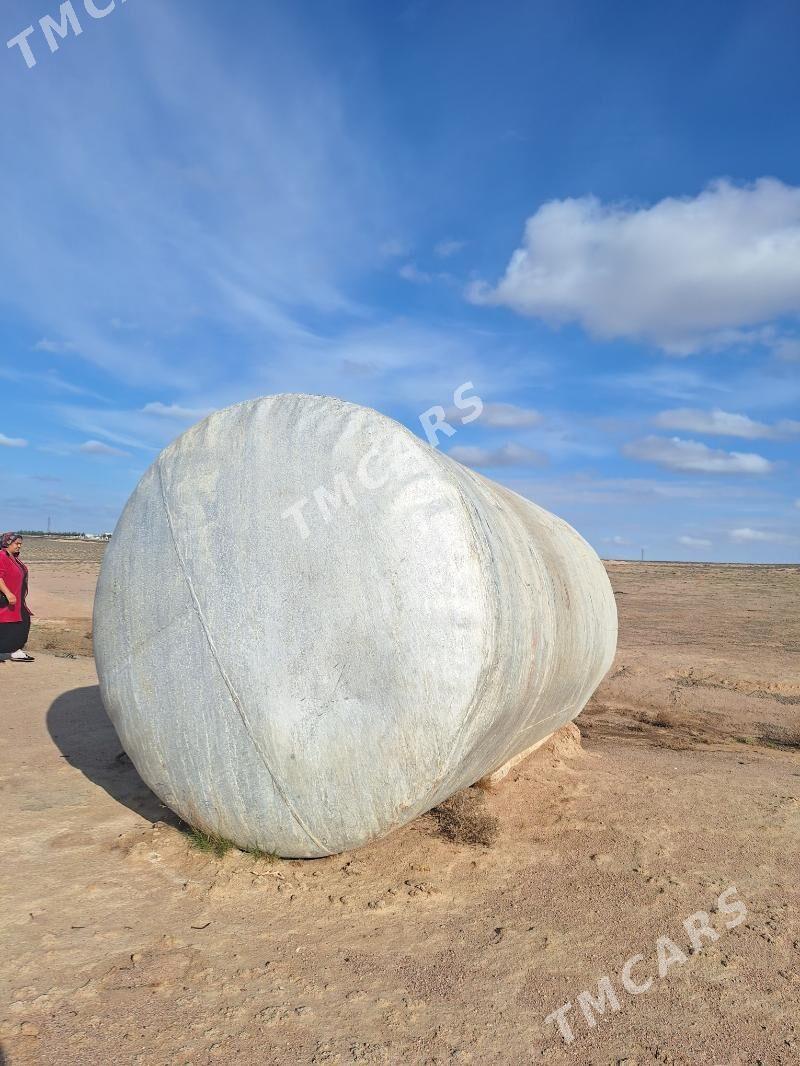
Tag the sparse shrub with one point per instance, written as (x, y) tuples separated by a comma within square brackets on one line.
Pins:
[(775, 736), (665, 719), (464, 819)]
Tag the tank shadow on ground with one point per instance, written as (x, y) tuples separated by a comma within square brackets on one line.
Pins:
[(83, 732)]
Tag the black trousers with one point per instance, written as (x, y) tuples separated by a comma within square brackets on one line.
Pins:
[(14, 635)]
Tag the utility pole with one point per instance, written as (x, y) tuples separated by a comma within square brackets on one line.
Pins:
[(642, 554), (48, 525)]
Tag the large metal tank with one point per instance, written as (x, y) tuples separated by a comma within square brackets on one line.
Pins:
[(311, 627)]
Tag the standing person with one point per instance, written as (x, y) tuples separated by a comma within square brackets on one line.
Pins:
[(15, 617)]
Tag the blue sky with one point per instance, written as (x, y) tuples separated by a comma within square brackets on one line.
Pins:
[(590, 211)]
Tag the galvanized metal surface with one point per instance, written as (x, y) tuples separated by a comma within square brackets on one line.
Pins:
[(302, 677)]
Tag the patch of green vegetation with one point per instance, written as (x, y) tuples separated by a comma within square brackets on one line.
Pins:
[(209, 843), (212, 844), (263, 856)]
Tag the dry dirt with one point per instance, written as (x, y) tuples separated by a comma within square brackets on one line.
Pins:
[(450, 940), (63, 577)]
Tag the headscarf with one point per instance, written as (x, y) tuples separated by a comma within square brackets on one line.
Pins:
[(8, 538)]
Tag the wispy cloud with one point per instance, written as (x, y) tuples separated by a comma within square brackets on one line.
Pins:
[(724, 423), (54, 347), (670, 382), (50, 380), (676, 454), (509, 416), (401, 367), (175, 411), (96, 447), (397, 365), (122, 428), (254, 222), (411, 272), (447, 248), (12, 442), (787, 349), (507, 455), (647, 493), (694, 542), (678, 274), (394, 248), (498, 415), (746, 535), (183, 232)]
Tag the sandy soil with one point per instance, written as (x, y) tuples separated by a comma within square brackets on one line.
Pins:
[(63, 577), (125, 943)]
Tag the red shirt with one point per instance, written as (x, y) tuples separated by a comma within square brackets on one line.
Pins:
[(15, 575)]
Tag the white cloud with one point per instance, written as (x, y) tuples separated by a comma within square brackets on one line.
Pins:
[(127, 429), (694, 542), (54, 347), (672, 381), (12, 442), (444, 249), (723, 423), (393, 249), (503, 416), (96, 447), (356, 368), (411, 272), (681, 274), (788, 349), (507, 455), (508, 416), (745, 535), (174, 410), (290, 217), (618, 540), (49, 380), (676, 454)]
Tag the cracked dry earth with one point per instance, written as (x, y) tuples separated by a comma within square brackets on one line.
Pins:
[(123, 943)]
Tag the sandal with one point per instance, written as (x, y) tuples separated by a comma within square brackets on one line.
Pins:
[(14, 658)]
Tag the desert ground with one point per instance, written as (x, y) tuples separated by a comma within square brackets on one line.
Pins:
[(451, 940)]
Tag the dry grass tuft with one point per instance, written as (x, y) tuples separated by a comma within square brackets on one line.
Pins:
[(464, 819)]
